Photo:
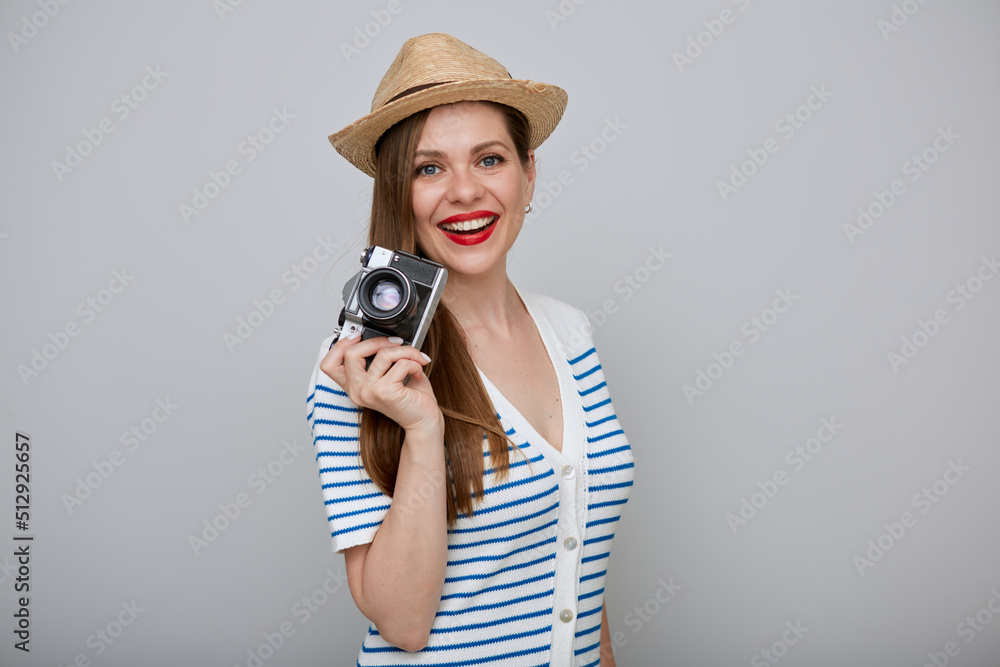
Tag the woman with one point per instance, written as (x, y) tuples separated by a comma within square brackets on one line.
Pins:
[(473, 487)]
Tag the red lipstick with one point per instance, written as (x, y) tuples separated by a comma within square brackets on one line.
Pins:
[(470, 237)]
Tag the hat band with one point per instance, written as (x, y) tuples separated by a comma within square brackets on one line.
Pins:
[(416, 89)]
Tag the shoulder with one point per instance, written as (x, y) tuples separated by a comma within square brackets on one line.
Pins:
[(571, 325), (354, 504)]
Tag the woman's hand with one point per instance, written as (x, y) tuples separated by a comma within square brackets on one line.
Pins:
[(384, 387)]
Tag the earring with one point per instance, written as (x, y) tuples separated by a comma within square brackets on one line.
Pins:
[(527, 209)]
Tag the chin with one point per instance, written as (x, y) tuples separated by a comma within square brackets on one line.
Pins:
[(471, 262), (470, 266), (477, 259)]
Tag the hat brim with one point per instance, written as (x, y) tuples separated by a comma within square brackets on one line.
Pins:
[(542, 104)]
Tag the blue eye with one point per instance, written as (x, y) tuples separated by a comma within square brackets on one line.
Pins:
[(492, 160), (427, 169)]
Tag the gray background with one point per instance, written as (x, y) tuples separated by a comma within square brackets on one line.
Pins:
[(678, 133)]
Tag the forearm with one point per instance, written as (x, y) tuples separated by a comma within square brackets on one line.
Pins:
[(405, 564), (607, 657)]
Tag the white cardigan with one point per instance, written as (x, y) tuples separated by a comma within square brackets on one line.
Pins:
[(524, 583)]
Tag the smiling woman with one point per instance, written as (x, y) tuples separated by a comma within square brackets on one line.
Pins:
[(473, 487)]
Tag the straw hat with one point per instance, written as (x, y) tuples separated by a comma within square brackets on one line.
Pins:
[(439, 69)]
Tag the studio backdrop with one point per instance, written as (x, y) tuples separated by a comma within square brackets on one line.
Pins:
[(781, 218)]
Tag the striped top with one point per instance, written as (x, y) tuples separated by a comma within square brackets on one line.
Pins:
[(524, 583)]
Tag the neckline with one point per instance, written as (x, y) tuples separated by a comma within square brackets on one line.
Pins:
[(568, 397)]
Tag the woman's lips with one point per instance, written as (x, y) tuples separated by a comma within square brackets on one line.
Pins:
[(469, 228)]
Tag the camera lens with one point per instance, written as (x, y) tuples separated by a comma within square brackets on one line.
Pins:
[(386, 296)]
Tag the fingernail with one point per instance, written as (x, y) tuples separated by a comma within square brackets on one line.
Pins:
[(354, 335), (426, 358), (395, 340)]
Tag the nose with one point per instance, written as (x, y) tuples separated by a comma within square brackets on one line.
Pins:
[(464, 187)]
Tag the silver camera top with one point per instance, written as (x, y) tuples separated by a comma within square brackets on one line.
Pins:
[(376, 256)]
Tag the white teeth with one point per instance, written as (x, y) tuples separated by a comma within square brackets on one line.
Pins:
[(468, 225)]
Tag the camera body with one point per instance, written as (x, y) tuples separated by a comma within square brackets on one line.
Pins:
[(394, 294)]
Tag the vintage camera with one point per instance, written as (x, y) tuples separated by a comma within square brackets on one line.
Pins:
[(394, 294)]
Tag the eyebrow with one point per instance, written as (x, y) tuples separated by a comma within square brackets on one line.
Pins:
[(475, 149)]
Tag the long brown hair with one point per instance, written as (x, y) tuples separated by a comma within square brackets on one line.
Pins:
[(469, 414)]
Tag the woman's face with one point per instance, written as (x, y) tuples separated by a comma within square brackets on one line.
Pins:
[(469, 189)]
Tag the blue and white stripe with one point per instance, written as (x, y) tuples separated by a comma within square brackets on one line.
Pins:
[(500, 604)]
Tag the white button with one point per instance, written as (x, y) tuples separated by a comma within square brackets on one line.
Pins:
[(565, 616), (567, 471), (570, 543)]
